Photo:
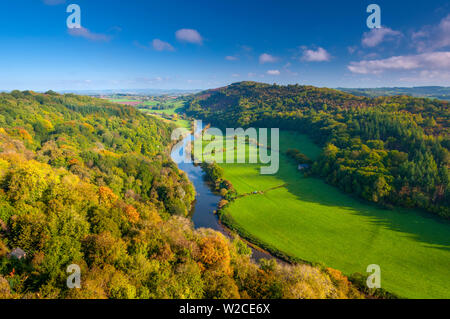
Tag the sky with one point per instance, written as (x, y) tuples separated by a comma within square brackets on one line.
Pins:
[(199, 44)]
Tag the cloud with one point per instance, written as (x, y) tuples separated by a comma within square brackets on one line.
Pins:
[(429, 61), (273, 72), (427, 76), (150, 81), (352, 49), (287, 69), (377, 35), (115, 28), (53, 2), (267, 58), (85, 33), (159, 45), (246, 48), (430, 38), (231, 58), (319, 55), (189, 35)]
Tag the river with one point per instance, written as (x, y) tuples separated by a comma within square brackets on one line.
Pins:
[(205, 200)]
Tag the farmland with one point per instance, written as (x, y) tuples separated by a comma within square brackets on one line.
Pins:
[(162, 107)]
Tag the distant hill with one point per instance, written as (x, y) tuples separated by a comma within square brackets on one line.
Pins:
[(137, 92), (433, 92)]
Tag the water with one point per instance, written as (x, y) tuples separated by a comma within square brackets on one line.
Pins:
[(205, 200)]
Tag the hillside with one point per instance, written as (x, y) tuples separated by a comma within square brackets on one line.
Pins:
[(88, 182), (387, 150), (433, 92)]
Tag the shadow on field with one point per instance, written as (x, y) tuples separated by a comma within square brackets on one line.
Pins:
[(420, 226)]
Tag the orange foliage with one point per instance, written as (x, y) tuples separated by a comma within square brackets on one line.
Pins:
[(106, 196), (215, 253), (132, 214), (337, 277), (24, 134), (73, 161)]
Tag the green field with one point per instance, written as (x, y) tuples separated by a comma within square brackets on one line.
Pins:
[(309, 220), (169, 112), (123, 100), (175, 108)]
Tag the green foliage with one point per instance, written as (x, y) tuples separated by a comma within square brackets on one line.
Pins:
[(388, 150), (298, 157), (87, 182)]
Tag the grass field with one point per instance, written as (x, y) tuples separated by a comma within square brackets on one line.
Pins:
[(169, 112), (123, 100), (176, 106), (309, 220)]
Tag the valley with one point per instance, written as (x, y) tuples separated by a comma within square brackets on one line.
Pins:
[(304, 219), (301, 218)]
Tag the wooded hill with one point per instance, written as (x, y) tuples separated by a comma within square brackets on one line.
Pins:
[(432, 92), (387, 150), (88, 182)]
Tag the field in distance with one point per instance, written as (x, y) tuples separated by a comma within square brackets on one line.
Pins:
[(165, 108)]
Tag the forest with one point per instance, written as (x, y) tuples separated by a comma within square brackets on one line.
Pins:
[(88, 182), (386, 150), (432, 92)]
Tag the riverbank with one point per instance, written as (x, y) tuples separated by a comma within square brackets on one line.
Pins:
[(206, 200)]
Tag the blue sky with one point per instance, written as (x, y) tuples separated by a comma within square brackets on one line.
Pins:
[(202, 44)]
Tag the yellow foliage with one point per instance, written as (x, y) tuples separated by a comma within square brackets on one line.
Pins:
[(215, 253), (89, 127), (109, 153), (4, 166), (132, 214), (47, 125), (106, 196)]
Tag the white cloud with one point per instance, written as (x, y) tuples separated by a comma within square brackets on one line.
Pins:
[(53, 2), (429, 61), (426, 77), (85, 33), (267, 58), (231, 58), (319, 55), (189, 35), (273, 72), (431, 38), (160, 45), (377, 35)]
